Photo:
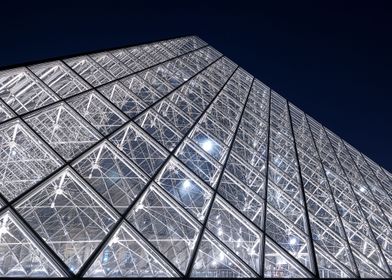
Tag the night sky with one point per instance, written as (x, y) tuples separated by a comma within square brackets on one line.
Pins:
[(331, 59)]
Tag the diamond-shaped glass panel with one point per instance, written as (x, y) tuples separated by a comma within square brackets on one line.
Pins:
[(20, 256), (68, 216), (89, 70), (185, 187), (63, 129), (168, 228), (97, 111), (112, 175), (24, 159), (139, 147), (59, 78), (23, 92), (124, 99), (215, 261), (127, 255)]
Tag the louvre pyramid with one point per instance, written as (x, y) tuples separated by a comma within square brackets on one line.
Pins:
[(169, 160)]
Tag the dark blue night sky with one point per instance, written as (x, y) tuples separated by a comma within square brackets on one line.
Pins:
[(331, 59)]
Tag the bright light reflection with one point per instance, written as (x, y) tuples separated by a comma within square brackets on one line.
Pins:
[(293, 241), (187, 183), (207, 145)]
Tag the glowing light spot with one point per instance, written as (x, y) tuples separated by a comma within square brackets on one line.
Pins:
[(3, 230), (221, 256), (293, 241), (220, 231), (187, 183), (207, 145)]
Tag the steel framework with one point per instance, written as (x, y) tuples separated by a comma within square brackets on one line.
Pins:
[(168, 160)]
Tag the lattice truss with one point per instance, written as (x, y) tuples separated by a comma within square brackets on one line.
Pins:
[(168, 160)]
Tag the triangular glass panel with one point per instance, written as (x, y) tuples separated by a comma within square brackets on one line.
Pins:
[(125, 100), (63, 129), (215, 261), (68, 216), (166, 226), (140, 147), (112, 175), (127, 255), (23, 92), (236, 233), (185, 188), (278, 264), (59, 78), (24, 159), (103, 116), (20, 256)]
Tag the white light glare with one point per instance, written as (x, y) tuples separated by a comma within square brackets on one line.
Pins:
[(187, 183), (207, 145), (293, 241)]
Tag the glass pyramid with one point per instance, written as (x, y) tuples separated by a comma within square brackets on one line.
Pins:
[(169, 160)]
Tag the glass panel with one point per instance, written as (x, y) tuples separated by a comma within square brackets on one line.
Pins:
[(241, 237), (112, 175), (120, 96), (24, 159), (5, 112), (97, 112), (20, 256), (165, 226), (185, 187), (89, 70), (139, 147), (111, 64), (63, 129), (199, 162), (68, 217), (214, 261), (59, 78), (23, 92), (160, 129), (127, 255), (279, 265)]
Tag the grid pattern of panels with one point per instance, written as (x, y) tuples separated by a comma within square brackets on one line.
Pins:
[(168, 160)]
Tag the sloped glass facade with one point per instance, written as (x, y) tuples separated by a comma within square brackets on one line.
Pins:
[(169, 160)]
